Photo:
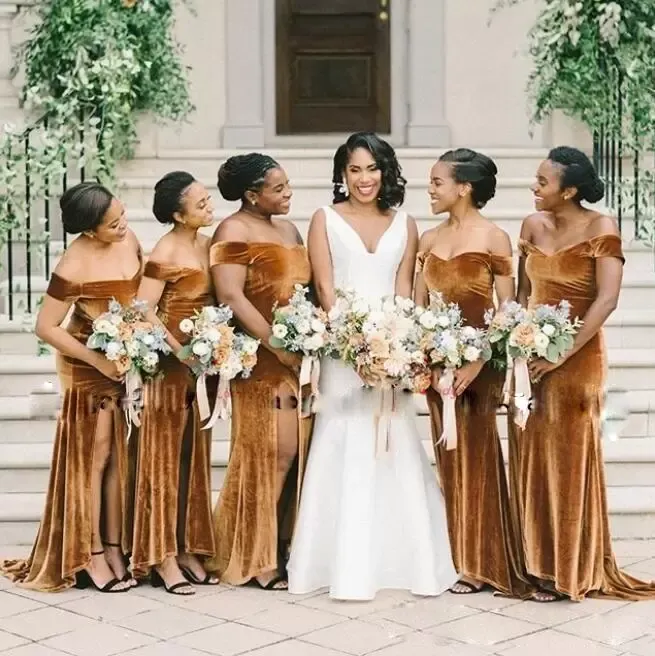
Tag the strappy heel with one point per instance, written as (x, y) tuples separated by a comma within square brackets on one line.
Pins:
[(157, 581), (190, 576), (84, 580), (127, 577)]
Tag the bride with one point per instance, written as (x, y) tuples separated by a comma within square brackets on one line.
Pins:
[(369, 519)]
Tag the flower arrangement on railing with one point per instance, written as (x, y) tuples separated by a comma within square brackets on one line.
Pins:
[(91, 70), (595, 61)]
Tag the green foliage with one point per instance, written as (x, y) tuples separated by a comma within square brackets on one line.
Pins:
[(92, 67), (595, 61)]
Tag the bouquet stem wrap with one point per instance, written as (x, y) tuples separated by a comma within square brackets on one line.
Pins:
[(448, 414), (133, 402), (522, 392), (310, 371), (383, 420), (223, 405)]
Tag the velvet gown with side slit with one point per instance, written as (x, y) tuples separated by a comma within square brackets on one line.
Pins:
[(473, 477), (556, 464), (250, 525), (172, 503), (63, 543)]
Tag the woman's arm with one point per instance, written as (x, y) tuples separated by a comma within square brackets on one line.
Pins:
[(524, 287), (421, 296), (321, 261), (501, 246), (405, 273), (150, 290)]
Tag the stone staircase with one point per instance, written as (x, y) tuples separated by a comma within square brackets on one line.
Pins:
[(28, 381)]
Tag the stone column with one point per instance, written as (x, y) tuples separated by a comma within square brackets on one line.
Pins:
[(8, 96), (244, 123), (426, 67)]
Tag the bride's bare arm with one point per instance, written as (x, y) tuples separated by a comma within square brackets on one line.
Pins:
[(321, 260), (405, 273)]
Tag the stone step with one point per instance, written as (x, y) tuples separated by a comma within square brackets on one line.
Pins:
[(300, 163), (632, 514), (624, 328)]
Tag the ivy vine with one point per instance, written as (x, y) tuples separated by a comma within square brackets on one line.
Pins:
[(92, 67), (595, 61)]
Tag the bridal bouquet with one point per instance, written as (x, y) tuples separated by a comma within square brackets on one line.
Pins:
[(125, 337), (215, 348), (381, 340), (301, 327), (545, 331), (450, 345)]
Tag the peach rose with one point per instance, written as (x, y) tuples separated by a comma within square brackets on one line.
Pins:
[(522, 336)]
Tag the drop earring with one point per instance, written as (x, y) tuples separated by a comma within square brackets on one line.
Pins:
[(343, 189)]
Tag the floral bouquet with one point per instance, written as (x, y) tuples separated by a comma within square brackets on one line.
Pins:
[(301, 327), (215, 348), (134, 344), (450, 345), (545, 331), (382, 341)]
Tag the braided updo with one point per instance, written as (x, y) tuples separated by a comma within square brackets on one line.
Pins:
[(578, 172), (242, 173)]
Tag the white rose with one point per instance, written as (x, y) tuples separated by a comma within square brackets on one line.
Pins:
[(211, 313), (113, 351), (541, 341), (471, 353), (280, 331), (132, 348), (303, 327), (318, 326), (443, 321), (201, 349), (360, 306), (250, 346), (334, 313), (448, 341), (314, 342), (428, 320), (388, 306), (148, 339), (419, 310), (116, 319), (150, 360), (212, 335), (548, 329), (186, 326), (468, 332)]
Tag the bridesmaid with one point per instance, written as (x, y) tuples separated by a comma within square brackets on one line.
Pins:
[(172, 503), (465, 258), (556, 464), (80, 535), (256, 260)]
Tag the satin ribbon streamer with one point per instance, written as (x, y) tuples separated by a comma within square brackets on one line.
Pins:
[(383, 420), (133, 400), (448, 415), (522, 392), (223, 405), (310, 371)]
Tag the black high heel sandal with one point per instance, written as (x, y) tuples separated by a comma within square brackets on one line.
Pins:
[(127, 577), (157, 581), (190, 576), (83, 580)]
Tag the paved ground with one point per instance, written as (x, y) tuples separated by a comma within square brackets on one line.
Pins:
[(226, 621)]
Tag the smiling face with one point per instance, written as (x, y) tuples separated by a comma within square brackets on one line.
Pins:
[(275, 195), (113, 227), (197, 207), (444, 191), (548, 194), (363, 176)]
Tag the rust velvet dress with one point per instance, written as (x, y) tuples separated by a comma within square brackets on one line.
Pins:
[(556, 463), (172, 493), (248, 521), (473, 475), (63, 543)]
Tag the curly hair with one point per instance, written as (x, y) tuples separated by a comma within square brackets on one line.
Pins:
[(392, 191)]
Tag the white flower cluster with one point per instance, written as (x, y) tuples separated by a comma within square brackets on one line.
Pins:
[(128, 339), (299, 326)]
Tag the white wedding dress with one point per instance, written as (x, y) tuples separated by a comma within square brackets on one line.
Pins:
[(369, 518)]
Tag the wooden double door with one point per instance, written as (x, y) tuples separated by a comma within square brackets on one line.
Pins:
[(333, 66)]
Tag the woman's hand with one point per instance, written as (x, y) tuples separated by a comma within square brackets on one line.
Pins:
[(107, 368), (540, 367), (290, 360), (190, 361), (465, 375)]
